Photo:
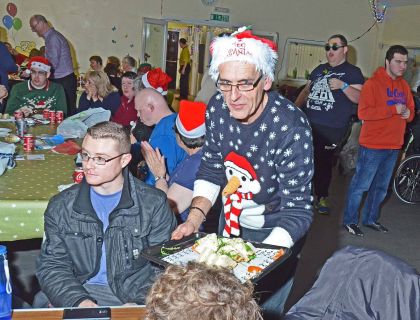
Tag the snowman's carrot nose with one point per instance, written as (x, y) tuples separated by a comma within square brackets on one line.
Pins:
[(231, 187)]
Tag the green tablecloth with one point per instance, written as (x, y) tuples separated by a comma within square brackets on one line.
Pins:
[(26, 189)]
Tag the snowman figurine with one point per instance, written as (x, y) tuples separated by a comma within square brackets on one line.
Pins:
[(242, 185)]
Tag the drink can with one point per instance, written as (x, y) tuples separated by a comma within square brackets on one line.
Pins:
[(52, 116), (28, 142), (59, 116), (46, 113), (18, 115), (78, 175), (21, 127)]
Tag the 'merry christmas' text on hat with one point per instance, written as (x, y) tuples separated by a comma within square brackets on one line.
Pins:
[(190, 121), (157, 79), (246, 47), (40, 63)]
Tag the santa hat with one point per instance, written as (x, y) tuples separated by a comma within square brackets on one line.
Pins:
[(190, 121), (246, 47), (40, 63), (157, 79), (241, 164), (144, 67)]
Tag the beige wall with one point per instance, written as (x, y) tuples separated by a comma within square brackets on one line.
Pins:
[(88, 23), (402, 26)]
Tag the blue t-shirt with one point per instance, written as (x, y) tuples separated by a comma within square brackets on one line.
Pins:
[(184, 175), (328, 107), (163, 137), (103, 205)]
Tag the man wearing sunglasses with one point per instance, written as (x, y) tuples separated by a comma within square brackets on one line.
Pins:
[(258, 148), (331, 93), (37, 93), (96, 230)]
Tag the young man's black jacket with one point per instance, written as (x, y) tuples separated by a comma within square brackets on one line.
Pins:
[(71, 252)]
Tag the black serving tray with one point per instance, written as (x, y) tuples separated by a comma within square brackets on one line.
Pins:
[(154, 253)]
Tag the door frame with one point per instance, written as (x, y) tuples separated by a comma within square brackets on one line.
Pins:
[(161, 22), (164, 22)]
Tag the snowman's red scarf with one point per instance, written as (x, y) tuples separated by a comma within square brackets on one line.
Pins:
[(232, 210)]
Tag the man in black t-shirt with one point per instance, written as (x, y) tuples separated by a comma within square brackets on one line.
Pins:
[(330, 94)]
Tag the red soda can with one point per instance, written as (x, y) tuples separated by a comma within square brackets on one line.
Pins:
[(59, 116), (52, 116), (18, 115), (28, 142), (46, 113), (78, 175)]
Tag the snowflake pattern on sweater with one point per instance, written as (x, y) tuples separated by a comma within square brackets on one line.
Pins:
[(278, 146)]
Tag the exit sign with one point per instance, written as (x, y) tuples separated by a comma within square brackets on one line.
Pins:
[(219, 17)]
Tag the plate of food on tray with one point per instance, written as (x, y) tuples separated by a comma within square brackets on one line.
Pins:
[(247, 260)]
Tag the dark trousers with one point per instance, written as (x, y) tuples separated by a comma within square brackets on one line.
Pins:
[(326, 142), (183, 83), (69, 84)]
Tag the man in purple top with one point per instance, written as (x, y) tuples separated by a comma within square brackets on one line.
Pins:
[(57, 51)]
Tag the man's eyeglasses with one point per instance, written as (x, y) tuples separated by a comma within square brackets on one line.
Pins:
[(98, 160), (226, 87), (334, 47), (38, 73), (33, 28)]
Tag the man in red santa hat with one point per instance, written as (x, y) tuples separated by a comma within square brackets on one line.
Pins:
[(258, 145), (37, 93)]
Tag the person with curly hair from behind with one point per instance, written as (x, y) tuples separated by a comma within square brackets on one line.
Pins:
[(197, 291)]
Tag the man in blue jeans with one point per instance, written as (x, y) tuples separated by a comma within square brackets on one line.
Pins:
[(385, 106)]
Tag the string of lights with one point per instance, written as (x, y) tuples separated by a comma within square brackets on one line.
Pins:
[(378, 14)]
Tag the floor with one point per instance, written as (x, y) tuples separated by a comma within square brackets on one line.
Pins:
[(327, 236), (324, 238)]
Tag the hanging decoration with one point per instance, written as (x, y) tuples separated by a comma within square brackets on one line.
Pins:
[(11, 9), (378, 14)]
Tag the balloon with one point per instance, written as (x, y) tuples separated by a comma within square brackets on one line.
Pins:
[(7, 21), (11, 9), (17, 24)]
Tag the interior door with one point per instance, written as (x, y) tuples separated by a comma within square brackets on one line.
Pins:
[(154, 42), (172, 57)]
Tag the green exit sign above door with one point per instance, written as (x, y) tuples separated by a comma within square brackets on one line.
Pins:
[(219, 17)]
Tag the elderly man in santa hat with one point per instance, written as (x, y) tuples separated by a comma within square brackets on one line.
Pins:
[(37, 93), (259, 148)]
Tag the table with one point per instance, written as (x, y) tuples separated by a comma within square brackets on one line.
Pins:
[(117, 313), (26, 189)]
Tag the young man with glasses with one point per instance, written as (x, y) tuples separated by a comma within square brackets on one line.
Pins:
[(37, 93), (57, 50), (261, 142), (330, 95), (96, 230)]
